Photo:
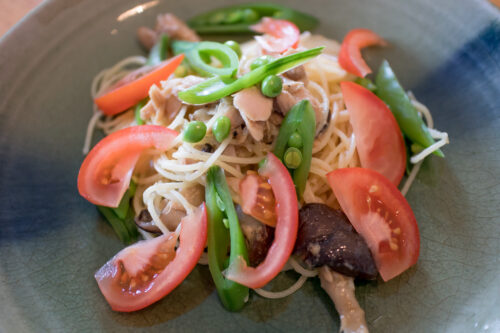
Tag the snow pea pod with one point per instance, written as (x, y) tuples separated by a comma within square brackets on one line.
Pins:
[(217, 87), (220, 209), (299, 121), (238, 19), (391, 92)]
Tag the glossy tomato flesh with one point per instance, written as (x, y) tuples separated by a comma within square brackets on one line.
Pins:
[(106, 171), (379, 140), (381, 215), (145, 272)]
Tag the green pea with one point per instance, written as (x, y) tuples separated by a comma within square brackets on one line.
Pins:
[(221, 128), (271, 86), (261, 61), (234, 17), (217, 18), (250, 15), (195, 131), (181, 71), (292, 158), (295, 140), (234, 46)]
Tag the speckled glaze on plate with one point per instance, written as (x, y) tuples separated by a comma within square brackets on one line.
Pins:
[(52, 241)]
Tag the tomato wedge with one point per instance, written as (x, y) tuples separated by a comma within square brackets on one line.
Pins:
[(284, 234), (379, 140), (350, 57), (145, 272), (379, 213), (106, 171), (258, 198), (127, 94), (280, 34)]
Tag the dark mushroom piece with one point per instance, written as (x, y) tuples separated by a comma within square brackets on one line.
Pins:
[(145, 222), (326, 237), (258, 236)]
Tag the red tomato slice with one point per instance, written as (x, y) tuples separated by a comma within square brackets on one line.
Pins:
[(379, 213), (106, 171), (280, 34), (350, 57), (258, 198), (126, 95), (145, 272), (284, 234), (379, 140)]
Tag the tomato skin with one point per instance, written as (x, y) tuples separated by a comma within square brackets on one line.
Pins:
[(379, 213), (350, 57), (106, 171), (281, 34), (285, 233), (379, 140), (193, 236), (127, 95)]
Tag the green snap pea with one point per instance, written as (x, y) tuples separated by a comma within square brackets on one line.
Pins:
[(391, 92), (295, 140), (300, 119), (292, 158), (195, 131), (249, 15), (234, 46), (224, 232), (261, 61), (217, 87), (137, 111), (239, 18), (367, 83), (221, 129), (200, 55), (271, 86), (158, 52), (233, 17)]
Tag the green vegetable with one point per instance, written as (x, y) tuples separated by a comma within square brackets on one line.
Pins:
[(159, 51), (300, 119), (238, 19), (234, 46), (292, 158), (271, 86), (181, 71), (137, 111), (219, 239), (195, 131), (123, 207), (367, 83), (261, 61), (221, 128), (295, 140), (391, 92), (121, 218), (221, 52), (182, 46), (215, 88)]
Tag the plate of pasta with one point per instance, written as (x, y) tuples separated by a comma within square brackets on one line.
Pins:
[(255, 166)]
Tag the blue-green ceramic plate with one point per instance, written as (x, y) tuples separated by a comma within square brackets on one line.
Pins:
[(52, 241)]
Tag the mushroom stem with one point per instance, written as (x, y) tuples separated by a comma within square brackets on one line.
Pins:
[(340, 288)]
